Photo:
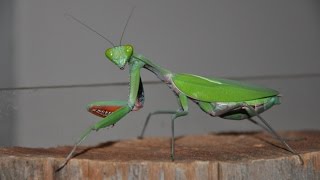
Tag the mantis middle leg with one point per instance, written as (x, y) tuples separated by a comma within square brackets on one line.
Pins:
[(182, 111), (148, 118), (183, 101)]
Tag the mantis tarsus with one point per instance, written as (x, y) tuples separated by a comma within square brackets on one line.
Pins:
[(217, 97)]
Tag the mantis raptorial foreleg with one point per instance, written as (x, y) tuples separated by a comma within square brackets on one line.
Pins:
[(113, 111), (110, 119)]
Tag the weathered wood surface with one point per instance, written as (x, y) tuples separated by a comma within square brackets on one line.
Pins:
[(214, 156)]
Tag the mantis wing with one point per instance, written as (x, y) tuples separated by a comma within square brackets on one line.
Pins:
[(219, 90)]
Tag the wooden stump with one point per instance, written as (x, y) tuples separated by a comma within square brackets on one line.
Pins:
[(250, 155)]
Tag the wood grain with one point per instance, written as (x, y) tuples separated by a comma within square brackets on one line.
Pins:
[(244, 155)]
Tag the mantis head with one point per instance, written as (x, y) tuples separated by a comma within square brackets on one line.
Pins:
[(119, 55)]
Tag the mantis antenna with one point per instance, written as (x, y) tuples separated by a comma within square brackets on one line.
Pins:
[(125, 27), (90, 28)]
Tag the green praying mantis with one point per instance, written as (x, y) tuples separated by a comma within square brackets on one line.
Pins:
[(217, 97)]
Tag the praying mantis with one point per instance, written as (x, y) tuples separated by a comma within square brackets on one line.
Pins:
[(217, 97)]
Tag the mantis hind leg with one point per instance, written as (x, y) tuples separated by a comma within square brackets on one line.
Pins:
[(273, 132), (226, 111), (266, 129), (261, 125)]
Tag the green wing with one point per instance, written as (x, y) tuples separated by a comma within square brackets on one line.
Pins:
[(219, 90)]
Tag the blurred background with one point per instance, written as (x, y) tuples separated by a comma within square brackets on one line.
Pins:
[(51, 67)]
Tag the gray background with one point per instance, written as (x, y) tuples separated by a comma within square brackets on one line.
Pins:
[(271, 43)]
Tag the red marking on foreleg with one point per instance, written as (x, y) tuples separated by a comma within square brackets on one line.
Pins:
[(103, 111)]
